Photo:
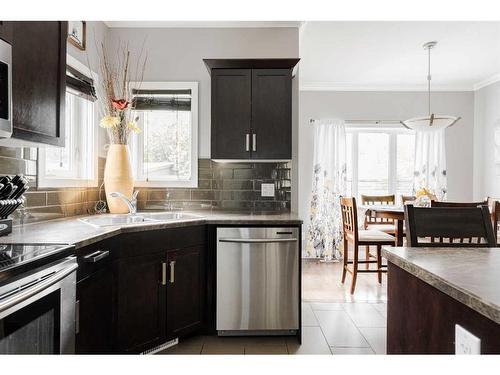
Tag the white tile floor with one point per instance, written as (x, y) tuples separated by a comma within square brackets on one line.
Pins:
[(333, 321)]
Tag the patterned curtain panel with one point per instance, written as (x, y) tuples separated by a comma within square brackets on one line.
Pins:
[(329, 182), (430, 162)]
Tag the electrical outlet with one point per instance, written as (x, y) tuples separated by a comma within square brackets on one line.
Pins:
[(267, 190), (466, 342)]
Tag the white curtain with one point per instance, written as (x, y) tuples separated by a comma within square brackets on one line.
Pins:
[(329, 182), (430, 162)]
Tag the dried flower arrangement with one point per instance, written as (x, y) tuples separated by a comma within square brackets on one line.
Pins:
[(116, 90)]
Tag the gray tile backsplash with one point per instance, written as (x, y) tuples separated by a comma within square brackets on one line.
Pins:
[(225, 186), (45, 204)]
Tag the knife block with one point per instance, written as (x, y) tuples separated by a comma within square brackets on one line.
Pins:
[(5, 226)]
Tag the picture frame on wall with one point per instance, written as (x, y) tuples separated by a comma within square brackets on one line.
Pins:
[(77, 34)]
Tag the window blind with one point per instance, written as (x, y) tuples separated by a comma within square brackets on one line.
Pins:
[(80, 84), (162, 100)]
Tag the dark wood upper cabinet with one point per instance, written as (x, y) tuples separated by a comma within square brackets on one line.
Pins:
[(251, 108), (38, 81), (231, 113), (6, 30), (271, 114), (185, 291)]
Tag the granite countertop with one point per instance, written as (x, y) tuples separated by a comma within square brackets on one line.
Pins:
[(75, 232), (469, 275)]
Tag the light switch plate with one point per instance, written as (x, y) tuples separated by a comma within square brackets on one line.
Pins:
[(466, 342), (267, 190)]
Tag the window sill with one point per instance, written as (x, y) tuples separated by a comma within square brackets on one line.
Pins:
[(65, 183)]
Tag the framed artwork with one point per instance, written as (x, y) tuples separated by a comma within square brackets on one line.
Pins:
[(77, 31)]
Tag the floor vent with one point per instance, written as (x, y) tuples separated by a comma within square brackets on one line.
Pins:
[(161, 347)]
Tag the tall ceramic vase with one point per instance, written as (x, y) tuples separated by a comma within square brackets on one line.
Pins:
[(118, 177)]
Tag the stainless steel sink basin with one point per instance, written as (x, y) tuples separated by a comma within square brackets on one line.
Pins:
[(110, 220), (142, 218)]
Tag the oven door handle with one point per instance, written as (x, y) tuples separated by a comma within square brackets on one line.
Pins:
[(36, 288)]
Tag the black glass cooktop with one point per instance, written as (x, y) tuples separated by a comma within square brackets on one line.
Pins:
[(15, 255)]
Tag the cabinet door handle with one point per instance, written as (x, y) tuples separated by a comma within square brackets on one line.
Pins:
[(247, 142), (254, 142), (172, 271), (96, 256), (164, 273)]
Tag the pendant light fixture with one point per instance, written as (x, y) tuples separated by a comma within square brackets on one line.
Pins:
[(432, 121)]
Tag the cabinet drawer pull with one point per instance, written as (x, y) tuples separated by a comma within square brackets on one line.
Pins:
[(96, 256), (164, 274), (247, 142), (172, 271), (254, 142)]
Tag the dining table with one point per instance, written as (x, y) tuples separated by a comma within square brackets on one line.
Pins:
[(394, 212)]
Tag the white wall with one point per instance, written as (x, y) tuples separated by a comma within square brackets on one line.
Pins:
[(390, 105), (487, 117)]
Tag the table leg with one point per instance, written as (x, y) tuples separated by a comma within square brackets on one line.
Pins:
[(399, 233)]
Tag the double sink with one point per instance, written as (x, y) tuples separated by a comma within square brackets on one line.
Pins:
[(139, 218)]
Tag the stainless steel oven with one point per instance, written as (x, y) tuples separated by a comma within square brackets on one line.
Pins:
[(37, 310), (5, 89)]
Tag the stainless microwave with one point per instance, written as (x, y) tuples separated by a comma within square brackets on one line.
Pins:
[(5, 89)]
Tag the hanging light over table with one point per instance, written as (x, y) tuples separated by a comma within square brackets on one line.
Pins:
[(432, 121)]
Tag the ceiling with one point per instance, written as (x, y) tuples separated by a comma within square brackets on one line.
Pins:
[(389, 55)]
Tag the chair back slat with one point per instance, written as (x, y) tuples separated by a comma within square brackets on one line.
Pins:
[(494, 205), (372, 200), (458, 204), (349, 217), (449, 226)]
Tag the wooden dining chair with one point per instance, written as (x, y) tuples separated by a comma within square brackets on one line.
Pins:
[(356, 237), (494, 206), (458, 204), (372, 223), (407, 198), (449, 227)]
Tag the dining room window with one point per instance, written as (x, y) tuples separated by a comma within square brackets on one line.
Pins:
[(379, 160)]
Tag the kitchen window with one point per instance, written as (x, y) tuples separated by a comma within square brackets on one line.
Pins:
[(165, 153), (379, 160), (75, 164)]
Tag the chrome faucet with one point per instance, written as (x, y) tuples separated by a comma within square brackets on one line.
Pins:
[(131, 203)]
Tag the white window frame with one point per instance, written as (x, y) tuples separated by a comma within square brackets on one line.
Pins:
[(137, 143), (44, 181), (393, 131)]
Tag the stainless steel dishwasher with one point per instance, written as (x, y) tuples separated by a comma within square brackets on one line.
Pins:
[(257, 281)]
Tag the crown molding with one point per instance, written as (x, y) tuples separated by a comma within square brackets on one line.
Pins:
[(488, 81), (331, 86)]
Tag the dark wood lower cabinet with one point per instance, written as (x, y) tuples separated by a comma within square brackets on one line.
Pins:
[(94, 299), (421, 319), (150, 288), (94, 316), (185, 291), (140, 303)]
